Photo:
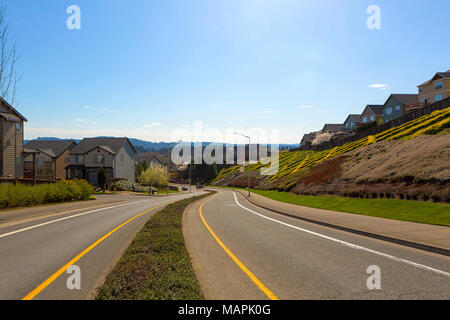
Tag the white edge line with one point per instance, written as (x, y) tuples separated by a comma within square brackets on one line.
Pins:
[(348, 244), (65, 218)]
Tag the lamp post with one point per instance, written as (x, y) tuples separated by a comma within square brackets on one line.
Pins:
[(249, 140)]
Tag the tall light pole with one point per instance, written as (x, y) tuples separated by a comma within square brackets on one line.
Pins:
[(249, 140)]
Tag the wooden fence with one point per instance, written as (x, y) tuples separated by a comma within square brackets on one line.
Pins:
[(380, 128)]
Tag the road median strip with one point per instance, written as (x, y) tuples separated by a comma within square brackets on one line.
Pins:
[(156, 265)]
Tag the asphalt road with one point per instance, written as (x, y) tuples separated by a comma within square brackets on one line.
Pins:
[(273, 256), (33, 251)]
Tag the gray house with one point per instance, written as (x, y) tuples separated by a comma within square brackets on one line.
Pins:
[(398, 105), (352, 122), (115, 155)]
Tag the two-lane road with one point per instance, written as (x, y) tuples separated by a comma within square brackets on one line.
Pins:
[(35, 254), (241, 251)]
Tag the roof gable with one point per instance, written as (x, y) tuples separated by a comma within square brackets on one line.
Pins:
[(11, 108), (353, 117), (113, 144), (376, 109), (403, 98), (57, 147)]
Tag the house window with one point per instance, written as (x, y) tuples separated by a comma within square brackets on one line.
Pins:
[(425, 100), (18, 161), (122, 157), (388, 111), (39, 161), (438, 97), (100, 158), (80, 159), (67, 159), (364, 119), (420, 89), (18, 128), (438, 85), (372, 118), (397, 108)]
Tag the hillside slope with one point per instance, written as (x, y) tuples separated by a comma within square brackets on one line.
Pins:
[(402, 141)]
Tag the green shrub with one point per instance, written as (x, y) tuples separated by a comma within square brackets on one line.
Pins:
[(12, 196)]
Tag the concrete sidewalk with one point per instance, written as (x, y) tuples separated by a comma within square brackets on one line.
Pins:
[(421, 236)]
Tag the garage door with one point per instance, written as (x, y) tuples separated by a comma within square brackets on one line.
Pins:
[(93, 178)]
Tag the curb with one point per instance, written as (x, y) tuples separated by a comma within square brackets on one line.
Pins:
[(407, 243)]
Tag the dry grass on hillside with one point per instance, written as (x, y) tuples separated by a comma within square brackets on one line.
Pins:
[(418, 169), (422, 159)]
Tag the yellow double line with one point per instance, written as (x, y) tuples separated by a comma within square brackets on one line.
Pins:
[(54, 276), (252, 277)]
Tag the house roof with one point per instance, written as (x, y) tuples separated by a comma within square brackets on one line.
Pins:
[(375, 108), (149, 155), (11, 108), (443, 75), (56, 147), (355, 117), (333, 127), (112, 145), (309, 137), (405, 98)]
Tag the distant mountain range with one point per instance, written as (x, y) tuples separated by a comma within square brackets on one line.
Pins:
[(142, 145)]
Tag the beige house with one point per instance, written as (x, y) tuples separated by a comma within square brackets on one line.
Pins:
[(11, 141), (47, 159), (435, 89)]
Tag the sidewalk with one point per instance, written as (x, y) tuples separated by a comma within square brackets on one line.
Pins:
[(421, 236)]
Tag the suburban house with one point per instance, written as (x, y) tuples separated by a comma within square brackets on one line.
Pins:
[(115, 155), (11, 144), (373, 113), (332, 128), (307, 139), (151, 157), (352, 122), (398, 105), (47, 159), (435, 89)]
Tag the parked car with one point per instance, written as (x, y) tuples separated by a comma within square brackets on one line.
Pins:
[(183, 188)]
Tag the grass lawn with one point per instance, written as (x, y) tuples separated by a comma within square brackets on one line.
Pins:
[(165, 191), (156, 265), (414, 211)]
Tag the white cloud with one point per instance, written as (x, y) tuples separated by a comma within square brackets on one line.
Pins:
[(380, 86), (80, 120), (156, 124), (265, 112), (87, 107), (304, 107), (186, 126)]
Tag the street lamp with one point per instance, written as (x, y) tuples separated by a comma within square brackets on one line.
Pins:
[(249, 140)]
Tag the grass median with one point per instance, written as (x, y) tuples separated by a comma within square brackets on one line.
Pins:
[(405, 210), (156, 265)]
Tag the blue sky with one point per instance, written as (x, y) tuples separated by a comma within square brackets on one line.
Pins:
[(145, 68)]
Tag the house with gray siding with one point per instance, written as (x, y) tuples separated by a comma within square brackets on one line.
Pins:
[(115, 155), (352, 122), (398, 105), (11, 141)]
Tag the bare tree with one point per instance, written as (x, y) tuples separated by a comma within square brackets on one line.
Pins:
[(8, 59)]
